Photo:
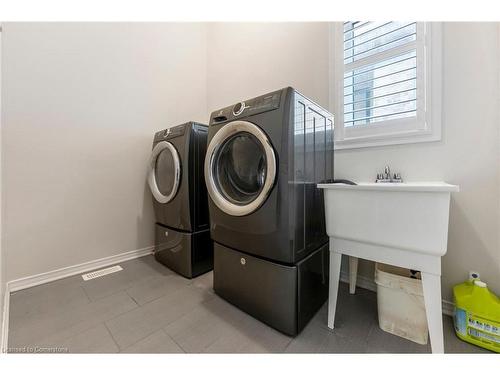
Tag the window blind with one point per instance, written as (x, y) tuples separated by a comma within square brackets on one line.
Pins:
[(380, 71)]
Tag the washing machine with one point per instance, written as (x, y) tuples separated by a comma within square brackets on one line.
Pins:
[(177, 183), (264, 158)]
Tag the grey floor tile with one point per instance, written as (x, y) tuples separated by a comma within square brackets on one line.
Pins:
[(318, 338), (355, 314), (141, 322), (158, 342), (311, 340), (75, 280), (250, 336), (241, 342), (176, 314), (205, 281), (44, 300), (354, 319), (134, 271), (379, 341), (54, 329), (339, 344), (155, 287), (94, 340), (205, 324), (263, 339)]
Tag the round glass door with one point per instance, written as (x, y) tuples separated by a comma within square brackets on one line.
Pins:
[(240, 168), (164, 172)]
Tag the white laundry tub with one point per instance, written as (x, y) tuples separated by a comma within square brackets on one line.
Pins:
[(408, 216)]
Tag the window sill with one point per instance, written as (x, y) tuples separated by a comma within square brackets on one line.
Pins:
[(387, 140)]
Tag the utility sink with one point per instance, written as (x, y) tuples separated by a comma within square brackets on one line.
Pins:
[(412, 216), (401, 224)]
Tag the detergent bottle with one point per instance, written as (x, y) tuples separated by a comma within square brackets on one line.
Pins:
[(477, 314)]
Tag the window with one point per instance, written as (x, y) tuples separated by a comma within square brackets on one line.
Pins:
[(386, 83)]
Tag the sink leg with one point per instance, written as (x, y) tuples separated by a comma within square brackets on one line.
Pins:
[(353, 274), (335, 261), (432, 297)]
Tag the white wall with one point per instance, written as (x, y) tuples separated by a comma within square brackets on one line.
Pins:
[(81, 103), (249, 59)]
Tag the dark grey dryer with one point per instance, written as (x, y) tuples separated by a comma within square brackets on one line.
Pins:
[(264, 158), (176, 180)]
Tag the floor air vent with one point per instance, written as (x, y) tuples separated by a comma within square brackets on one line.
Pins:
[(99, 273)]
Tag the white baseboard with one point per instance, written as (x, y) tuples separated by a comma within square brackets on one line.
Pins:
[(368, 283), (5, 321), (46, 277), (448, 308)]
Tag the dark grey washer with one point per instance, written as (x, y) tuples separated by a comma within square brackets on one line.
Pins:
[(264, 159), (176, 180)]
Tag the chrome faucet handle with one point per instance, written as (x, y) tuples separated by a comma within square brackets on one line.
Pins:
[(387, 176), (387, 172)]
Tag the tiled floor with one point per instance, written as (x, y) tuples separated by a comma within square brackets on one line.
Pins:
[(148, 309)]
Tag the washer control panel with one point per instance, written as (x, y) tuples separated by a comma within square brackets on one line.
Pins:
[(170, 132), (174, 131), (250, 107)]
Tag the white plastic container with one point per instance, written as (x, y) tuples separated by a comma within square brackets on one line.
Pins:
[(400, 300)]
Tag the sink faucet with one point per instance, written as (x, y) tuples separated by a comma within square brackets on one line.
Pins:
[(387, 172), (386, 176)]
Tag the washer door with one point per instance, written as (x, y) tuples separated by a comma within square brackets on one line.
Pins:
[(240, 168), (164, 172)]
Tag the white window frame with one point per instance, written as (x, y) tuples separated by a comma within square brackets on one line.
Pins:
[(425, 126)]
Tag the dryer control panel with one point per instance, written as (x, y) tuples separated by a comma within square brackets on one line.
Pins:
[(169, 133), (263, 103)]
